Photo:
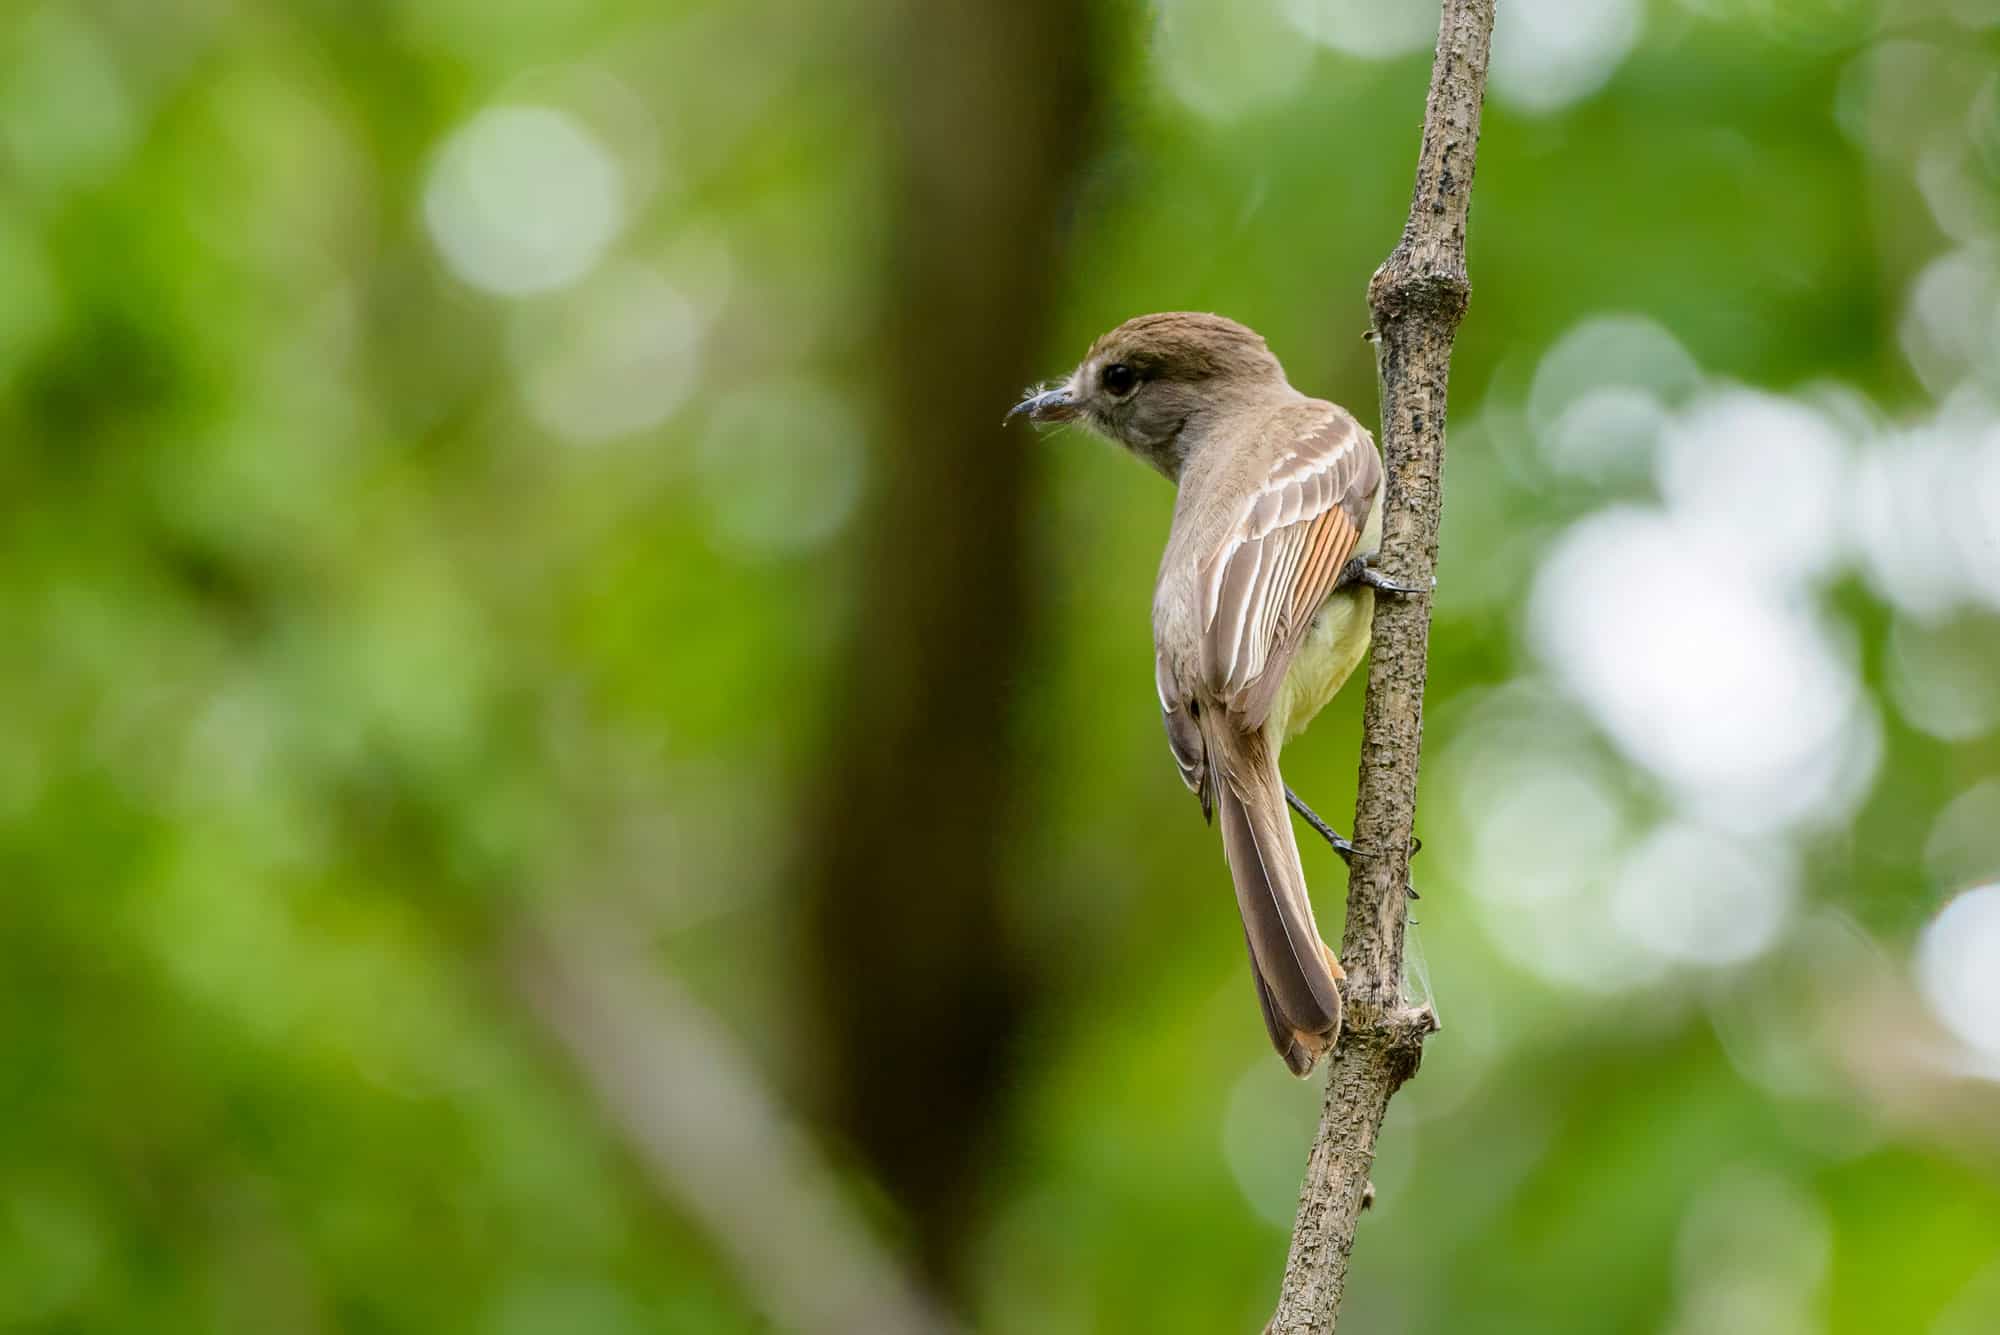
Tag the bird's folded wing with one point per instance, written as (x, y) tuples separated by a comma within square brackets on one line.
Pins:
[(1261, 588), (1184, 737)]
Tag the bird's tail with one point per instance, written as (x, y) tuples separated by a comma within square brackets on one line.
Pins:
[(1295, 972)]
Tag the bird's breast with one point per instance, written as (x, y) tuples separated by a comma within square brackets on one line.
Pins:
[(1326, 658)]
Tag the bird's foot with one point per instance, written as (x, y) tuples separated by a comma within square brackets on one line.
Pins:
[(1363, 570), (1339, 842)]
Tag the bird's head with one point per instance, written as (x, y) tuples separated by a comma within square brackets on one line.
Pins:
[(1143, 383)]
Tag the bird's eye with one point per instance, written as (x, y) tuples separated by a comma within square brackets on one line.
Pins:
[(1119, 378)]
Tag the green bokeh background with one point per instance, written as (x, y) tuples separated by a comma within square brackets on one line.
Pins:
[(331, 653)]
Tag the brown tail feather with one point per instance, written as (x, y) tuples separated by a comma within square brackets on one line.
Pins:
[(1300, 1051), (1295, 972)]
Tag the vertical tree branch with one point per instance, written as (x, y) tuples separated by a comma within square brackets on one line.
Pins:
[(1417, 297)]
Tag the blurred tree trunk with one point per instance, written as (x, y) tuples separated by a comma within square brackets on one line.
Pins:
[(919, 996)]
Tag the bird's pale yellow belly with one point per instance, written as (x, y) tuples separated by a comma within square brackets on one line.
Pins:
[(1326, 658)]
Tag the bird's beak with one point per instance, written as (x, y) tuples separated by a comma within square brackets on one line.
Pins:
[(1046, 405)]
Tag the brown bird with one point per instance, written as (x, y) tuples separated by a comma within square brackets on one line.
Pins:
[(1262, 610)]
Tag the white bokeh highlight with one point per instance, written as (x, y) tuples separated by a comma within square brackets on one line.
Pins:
[(1546, 831), (1762, 482), (522, 200), (1963, 846), (1540, 830), (1368, 29), (1951, 323), (1264, 1123), (1697, 896), (1927, 511), (1696, 634), (619, 357), (1958, 970), (1225, 59), (1942, 677), (1605, 434), (1602, 394), (1615, 349), (1548, 54), (1736, 694)]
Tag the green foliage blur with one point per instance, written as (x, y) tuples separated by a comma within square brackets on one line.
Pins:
[(433, 453)]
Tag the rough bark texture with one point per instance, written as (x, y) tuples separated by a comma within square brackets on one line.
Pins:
[(1417, 297)]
